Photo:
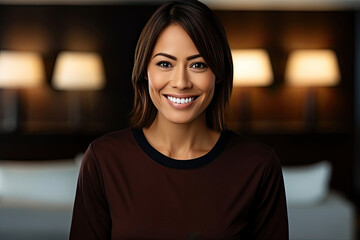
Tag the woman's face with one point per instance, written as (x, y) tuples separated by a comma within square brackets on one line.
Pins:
[(181, 85)]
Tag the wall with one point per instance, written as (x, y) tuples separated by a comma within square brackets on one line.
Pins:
[(44, 129), (276, 113)]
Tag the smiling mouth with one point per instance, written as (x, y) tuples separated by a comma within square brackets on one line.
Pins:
[(180, 100)]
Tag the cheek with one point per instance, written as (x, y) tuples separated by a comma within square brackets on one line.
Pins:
[(155, 81), (207, 84), (155, 85), (209, 87), (152, 90)]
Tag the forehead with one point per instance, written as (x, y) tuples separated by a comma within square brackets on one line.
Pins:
[(175, 40)]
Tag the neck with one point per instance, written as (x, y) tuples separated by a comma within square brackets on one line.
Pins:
[(181, 141)]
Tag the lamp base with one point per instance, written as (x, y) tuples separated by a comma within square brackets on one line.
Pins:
[(10, 103), (310, 116)]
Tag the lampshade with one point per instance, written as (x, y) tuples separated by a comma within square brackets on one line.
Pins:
[(252, 68), (78, 71), (312, 68), (21, 69)]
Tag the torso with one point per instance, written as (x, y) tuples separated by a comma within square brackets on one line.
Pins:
[(151, 196)]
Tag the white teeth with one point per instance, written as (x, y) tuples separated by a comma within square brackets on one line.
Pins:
[(180, 100)]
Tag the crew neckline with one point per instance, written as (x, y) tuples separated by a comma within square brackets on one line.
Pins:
[(180, 164)]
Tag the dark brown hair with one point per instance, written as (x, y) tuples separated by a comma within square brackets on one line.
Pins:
[(209, 37)]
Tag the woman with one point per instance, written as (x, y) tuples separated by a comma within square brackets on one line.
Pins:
[(178, 173)]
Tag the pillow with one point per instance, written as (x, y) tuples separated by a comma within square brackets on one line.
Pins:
[(50, 181), (309, 184)]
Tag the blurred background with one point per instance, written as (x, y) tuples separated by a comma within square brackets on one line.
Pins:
[(65, 70)]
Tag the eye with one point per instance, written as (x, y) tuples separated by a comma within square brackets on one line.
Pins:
[(164, 64), (198, 65)]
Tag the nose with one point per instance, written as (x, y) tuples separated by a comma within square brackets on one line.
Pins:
[(180, 79)]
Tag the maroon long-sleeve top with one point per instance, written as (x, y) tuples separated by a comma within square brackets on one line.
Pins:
[(129, 190)]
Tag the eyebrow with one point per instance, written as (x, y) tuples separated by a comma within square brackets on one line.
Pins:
[(174, 58)]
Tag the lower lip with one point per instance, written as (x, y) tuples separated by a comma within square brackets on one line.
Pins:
[(180, 106)]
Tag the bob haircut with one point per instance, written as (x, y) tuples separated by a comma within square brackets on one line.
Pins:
[(209, 37)]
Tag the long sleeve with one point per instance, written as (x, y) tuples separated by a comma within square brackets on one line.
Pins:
[(270, 215), (91, 218)]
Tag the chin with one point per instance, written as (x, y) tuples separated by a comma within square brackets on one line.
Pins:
[(178, 119)]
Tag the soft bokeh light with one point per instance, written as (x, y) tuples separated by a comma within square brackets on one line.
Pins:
[(21, 69), (252, 68), (78, 71), (312, 68)]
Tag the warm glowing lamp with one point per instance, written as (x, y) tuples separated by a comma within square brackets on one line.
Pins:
[(18, 69), (252, 68), (311, 69), (78, 71), (21, 69)]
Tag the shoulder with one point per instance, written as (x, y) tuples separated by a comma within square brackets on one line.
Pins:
[(248, 144), (249, 151), (121, 137), (111, 150), (117, 142)]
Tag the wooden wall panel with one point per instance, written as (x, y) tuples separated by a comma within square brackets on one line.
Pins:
[(274, 114)]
